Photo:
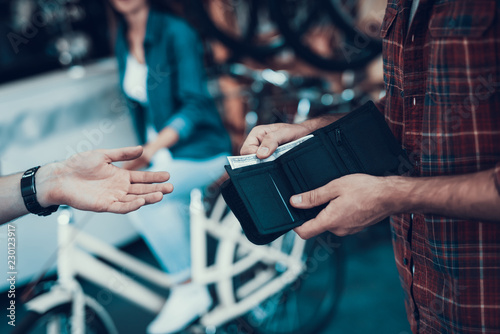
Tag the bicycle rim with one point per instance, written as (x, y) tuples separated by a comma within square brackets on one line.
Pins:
[(356, 50), (58, 318), (243, 44), (306, 305)]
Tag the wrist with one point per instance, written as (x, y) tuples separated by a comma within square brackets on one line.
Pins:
[(152, 147), (399, 196), (47, 183), (303, 129), (168, 137), (165, 139), (309, 125)]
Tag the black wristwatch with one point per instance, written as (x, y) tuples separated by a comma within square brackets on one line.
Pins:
[(28, 191)]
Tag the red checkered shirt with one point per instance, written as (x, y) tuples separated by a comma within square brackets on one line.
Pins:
[(442, 79)]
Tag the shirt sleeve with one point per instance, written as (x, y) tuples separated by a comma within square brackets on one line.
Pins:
[(182, 124), (497, 177), (196, 105)]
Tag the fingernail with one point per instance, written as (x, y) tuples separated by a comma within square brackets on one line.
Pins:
[(297, 199), (263, 150)]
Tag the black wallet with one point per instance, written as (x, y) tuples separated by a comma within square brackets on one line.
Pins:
[(259, 195)]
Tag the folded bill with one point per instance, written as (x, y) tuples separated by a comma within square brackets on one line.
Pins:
[(251, 159)]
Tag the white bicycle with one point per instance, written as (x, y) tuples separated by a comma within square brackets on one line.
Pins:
[(288, 286)]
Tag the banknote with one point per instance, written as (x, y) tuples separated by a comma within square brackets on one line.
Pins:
[(251, 159)]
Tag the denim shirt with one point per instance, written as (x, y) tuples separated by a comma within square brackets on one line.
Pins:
[(176, 88)]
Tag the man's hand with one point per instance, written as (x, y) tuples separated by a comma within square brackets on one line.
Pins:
[(89, 181), (264, 139), (356, 201)]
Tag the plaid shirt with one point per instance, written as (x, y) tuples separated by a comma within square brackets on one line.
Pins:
[(442, 79)]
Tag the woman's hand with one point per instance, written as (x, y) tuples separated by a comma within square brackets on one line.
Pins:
[(144, 160), (167, 138)]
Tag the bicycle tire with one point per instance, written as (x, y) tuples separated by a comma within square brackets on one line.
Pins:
[(239, 46), (31, 322), (327, 289), (345, 22), (366, 53)]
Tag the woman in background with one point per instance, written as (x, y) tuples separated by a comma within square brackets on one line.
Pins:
[(162, 75)]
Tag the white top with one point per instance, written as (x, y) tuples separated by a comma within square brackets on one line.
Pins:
[(134, 86), (134, 82)]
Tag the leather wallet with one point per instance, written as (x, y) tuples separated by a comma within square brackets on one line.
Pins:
[(259, 195)]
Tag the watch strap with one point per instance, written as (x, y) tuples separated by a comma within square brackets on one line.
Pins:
[(28, 191)]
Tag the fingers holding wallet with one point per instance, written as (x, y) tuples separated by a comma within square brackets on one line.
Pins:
[(324, 220), (355, 202)]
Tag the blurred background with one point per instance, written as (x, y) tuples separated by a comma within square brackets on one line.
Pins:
[(266, 61)]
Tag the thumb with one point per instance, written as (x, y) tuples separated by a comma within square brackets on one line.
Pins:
[(123, 154), (314, 197)]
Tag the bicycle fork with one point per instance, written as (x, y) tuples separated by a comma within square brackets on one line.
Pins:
[(66, 273)]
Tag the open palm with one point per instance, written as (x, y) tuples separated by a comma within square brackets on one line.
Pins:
[(89, 181)]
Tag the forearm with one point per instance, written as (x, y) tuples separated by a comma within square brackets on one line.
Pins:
[(322, 121), (11, 201), (469, 196), (167, 137)]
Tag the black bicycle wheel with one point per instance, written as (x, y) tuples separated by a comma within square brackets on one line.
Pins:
[(242, 41), (310, 302), (351, 47), (36, 323)]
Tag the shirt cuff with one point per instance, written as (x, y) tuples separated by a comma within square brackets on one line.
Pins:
[(182, 125), (497, 177)]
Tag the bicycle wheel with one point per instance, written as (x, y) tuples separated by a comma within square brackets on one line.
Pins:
[(240, 25), (57, 319), (306, 305), (326, 33)]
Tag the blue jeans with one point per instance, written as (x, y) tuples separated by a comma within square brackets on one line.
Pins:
[(164, 226)]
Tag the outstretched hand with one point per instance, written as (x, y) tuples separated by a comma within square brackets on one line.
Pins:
[(89, 181)]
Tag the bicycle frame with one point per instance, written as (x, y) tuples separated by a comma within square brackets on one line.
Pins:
[(74, 259)]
